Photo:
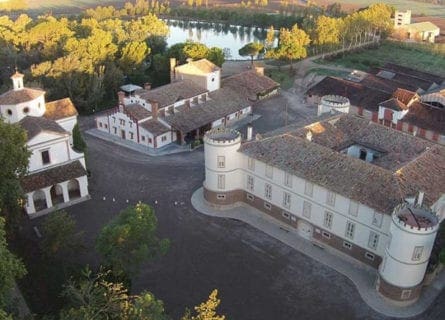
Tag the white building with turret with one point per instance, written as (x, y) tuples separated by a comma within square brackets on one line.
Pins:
[(57, 174), (358, 187)]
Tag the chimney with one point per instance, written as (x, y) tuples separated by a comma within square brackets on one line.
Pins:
[(121, 96), (420, 198), (259, 70), (187, 104), (249, 131), (172, 69), (147, 86), (154, 110), (309, 135), (415, 132)]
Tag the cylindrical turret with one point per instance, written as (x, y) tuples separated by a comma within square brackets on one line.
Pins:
[(413, 230), (223, 179), (332, 103)]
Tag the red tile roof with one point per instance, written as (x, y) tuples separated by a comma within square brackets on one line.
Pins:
[(60, 109), (13, 97)]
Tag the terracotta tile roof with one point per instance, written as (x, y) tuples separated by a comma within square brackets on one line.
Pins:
[(202, 66), (404, 96), (358, 94), (60, 109), (171, 93), (250, 84), (13, 97), (155, 127), (35, 125), (391, 85), (393, 104), (427, 117), (381, 184), (52, 176), (223, 102), (137, 111)]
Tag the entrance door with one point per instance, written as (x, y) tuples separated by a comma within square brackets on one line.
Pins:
[(123, 134), (304, 229)]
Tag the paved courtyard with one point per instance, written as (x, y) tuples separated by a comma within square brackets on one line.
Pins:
[(258, 277)]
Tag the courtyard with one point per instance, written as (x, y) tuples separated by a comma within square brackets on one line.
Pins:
[(257, 276)]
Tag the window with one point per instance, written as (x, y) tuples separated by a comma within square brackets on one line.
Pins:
[(363, 154), (330, 198), (307, 209), (308, 189), (369, 256), (45, 157), (122, 122), (267, 205), (221, 181), (326, 235), (115, 130), (293, 218), (350, 229), (221, 162), (373, 240), (251, 163), (143, 138), (131, 135), (100, 124), (221, 196), (417, 254), (131, 124), (150, 140), (353, 208), (328, 217), (250, 197), (9, 112), (40, 105), (268, 191), (213, 79), (105, 126), (269, 171), (114, 119), (347, 245), (288, 180), (405, 294), (163, 138), (25, 110), (285, 215), (286, 199), (250, 183), (377, 219)]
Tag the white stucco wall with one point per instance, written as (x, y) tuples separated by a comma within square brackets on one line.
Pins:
[(36, 109)]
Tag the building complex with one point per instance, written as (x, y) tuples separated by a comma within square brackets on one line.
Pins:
[(371, 192), (195, 101), (57, 174)]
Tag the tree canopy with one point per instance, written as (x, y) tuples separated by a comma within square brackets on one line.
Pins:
[(251, 49), (130, 239), (14, 157), (206, 310)]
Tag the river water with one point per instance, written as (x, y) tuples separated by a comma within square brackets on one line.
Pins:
[(230, 38)]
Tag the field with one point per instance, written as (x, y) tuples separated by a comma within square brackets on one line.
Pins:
[(405, 55), (417, 8)]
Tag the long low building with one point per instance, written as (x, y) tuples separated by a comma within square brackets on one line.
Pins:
[(195, 101), (371, 192)]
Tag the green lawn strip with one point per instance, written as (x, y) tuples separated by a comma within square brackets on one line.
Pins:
[(284, 77)]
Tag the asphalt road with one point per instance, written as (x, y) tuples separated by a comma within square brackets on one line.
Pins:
[(257, 276)]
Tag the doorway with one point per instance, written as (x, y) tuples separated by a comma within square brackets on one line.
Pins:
[(304, 229), (123, 134)]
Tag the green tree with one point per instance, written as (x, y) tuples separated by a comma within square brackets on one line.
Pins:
[(130, 239), (216, 55), (93, 296), (251, 49), (327, 31), (195, 50), (78, 143), (133, 54), (59, 235), (14, 157), (292, 45), (11, 268), (206, 310)]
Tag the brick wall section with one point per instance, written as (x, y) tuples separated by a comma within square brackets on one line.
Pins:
[(336, 242), (395, 293)]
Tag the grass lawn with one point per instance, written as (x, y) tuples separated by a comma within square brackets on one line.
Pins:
[(328, 72), (413, 56), (284, 77)]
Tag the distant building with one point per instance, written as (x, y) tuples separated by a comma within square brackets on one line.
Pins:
[(57, 174), (396, 96), (370, 192), (420, 31), (195, 101)]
